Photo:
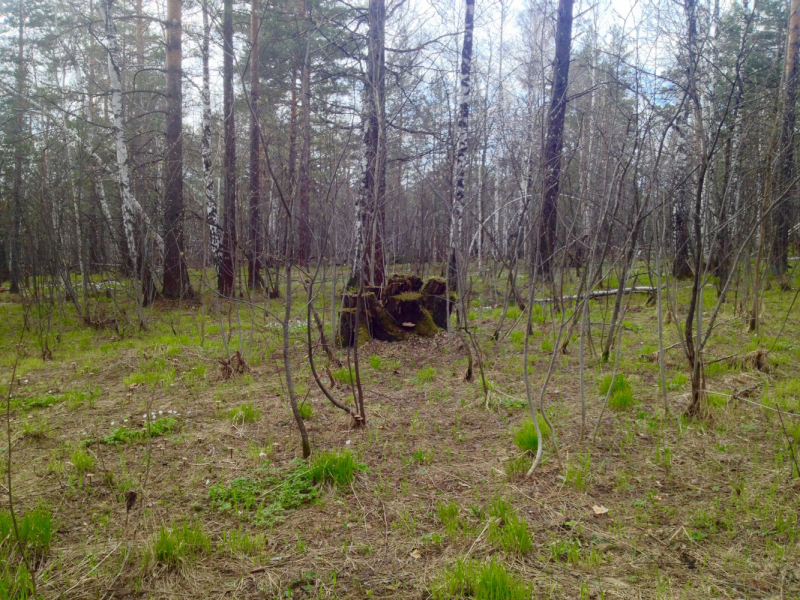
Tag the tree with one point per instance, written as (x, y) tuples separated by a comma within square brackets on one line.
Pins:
[(228, 270), (554, 141), (457, 215), (176, 277), (254, 279), (369, 265), (782, 215), (304, 175)]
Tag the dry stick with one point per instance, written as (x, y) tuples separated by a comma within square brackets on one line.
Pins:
[(360, 397), (528, 391), (11, 510), (791, 446), (321, 386)]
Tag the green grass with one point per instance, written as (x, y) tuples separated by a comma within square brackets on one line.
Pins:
[(239, 542), (35, 532), (448, 516), (77, 398), (525, 437), (487, 581), (344, 375), (375, 362), (152, 373), (35, 529), (507, 529), (246, 413), (621, 397), (40, 401), (518, 466), (268, 497), (335, 468), (306, 411), (425, 375), (124, 435), (180, 544), (82, 461)]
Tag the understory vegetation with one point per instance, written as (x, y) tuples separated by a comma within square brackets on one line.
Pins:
[(139, 464)]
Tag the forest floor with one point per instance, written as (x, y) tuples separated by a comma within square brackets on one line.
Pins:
[(657, 506)]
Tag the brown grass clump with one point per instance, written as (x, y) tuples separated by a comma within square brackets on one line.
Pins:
[(752, 361)]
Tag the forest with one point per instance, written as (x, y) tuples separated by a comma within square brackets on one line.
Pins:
[(440, 299)]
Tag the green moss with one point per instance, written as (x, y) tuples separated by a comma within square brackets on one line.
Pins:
[(426, 327), (408, 296), (384, 327)]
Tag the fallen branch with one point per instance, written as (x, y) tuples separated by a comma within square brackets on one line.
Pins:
[(600, 294)]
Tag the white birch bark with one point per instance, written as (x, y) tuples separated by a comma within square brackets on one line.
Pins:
[(457, 214), (131, 209), (212, 213)]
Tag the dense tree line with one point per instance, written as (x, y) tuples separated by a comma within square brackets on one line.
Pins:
[(147, 141)]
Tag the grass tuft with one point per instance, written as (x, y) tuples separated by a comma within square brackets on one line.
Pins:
[(621, 397), (488, 581), (508, 530), (246, 413), (525, 437), (179, 544), (335, 468)]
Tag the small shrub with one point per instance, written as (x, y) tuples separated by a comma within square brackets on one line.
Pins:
[(335, 468), (41, 401), (525, 437), (422, 457), (267, 499), (375, 361), (159, 427), (35, 427), (246, 413), (180, 544), (425, 375), (306, 411)]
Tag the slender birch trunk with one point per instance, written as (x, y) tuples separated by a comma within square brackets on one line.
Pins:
[(212, 216)]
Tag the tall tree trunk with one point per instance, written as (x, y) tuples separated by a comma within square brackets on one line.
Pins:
[(292, 166), (212, 216), (226, 278), (368, 263), (554, 142), (783, 212), (459, 184), (134, 221), (14, 246), (681, 268), (254, 279), (176, 277), (304, 179)]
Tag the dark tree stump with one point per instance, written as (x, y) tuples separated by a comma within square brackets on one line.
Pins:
[(434, 299)]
